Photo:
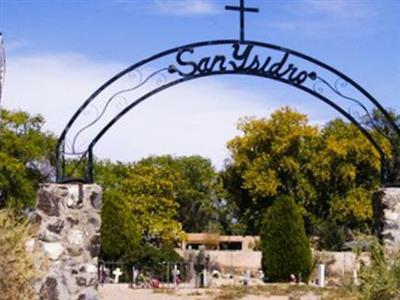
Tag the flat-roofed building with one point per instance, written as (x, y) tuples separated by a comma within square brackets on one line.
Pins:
[(227, 251)]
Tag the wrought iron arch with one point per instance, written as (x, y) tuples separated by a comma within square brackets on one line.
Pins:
[(239, 57)]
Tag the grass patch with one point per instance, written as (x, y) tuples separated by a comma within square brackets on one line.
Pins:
[(231, 293), (195, 293), (17, 269), (293, 292), (167, 291)]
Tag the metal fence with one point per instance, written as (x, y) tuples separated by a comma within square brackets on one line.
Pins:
[(170, 275)]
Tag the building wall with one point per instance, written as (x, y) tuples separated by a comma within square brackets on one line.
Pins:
[(337, 263), (248, 242), (238, 260)]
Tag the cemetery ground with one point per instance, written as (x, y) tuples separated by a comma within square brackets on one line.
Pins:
[(267, 292)]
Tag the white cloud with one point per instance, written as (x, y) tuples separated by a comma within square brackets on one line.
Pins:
[(194, 118), (52, 84), (186, 7)]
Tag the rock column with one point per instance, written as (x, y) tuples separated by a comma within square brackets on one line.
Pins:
[(68, 235), (386, 205)]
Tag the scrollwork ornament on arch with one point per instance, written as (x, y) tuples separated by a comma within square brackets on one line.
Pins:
[(91, 111), (121, 102), (356, 109), (136, 77), (161, 79)]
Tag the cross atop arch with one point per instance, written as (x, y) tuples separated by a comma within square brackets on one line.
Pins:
[(242, 9)]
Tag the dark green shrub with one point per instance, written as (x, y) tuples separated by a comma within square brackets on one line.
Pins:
[(154, 260), (331, 236), (284, 243), (121, 241), (120, 237)]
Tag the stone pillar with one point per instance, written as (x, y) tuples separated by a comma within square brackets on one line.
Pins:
[(68, 235), (386, 205)]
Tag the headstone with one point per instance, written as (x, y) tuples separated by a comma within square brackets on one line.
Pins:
[(292, 279), (261, 274), (175, 275), (135, 275), (117, 272), (205, 279), (355, 277), (246, 278), (103, 275), (321, 275)]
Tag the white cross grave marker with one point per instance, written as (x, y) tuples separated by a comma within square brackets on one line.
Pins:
[(321, 275), (117, 272)]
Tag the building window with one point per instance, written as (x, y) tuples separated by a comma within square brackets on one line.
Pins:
[(230, 246)]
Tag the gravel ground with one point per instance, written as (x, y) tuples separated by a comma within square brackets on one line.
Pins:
[(123, 292)]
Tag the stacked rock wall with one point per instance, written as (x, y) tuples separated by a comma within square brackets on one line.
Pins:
[(68, 237), (386, 205)]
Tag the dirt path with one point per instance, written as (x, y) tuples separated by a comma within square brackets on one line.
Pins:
[(123, 292)]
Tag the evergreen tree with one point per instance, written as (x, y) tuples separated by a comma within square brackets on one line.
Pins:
[(284, 242), (120, 236)]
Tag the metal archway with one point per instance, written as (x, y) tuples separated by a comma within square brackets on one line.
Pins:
[(234, 57)]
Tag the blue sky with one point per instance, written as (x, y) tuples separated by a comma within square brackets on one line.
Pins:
[(58, 52)]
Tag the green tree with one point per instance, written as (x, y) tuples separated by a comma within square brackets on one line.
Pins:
[(109, 175), (331, 236), (149, 190), (198, 195), (383, 130), (196, 189), (120, 235), (25, 150), (284, 243), (273, 156), (121, 239), (331, 171), (351, 173), (159, 197), (242, 214)]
